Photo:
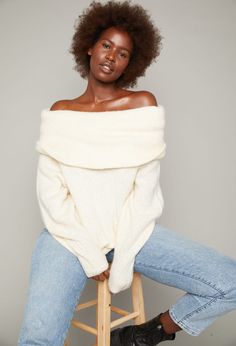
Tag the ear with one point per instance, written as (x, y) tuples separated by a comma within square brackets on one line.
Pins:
[(89, 51)]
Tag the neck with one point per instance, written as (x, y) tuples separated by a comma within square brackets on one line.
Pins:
[(98, 92)]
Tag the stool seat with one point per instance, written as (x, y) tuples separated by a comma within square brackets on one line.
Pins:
[(104, 308)]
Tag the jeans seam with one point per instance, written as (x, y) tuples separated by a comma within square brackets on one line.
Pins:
[(200, 308), (214, 298), (220, 291), (191, 331)]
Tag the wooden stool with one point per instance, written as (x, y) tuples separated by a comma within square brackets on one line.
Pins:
[(104, 308)]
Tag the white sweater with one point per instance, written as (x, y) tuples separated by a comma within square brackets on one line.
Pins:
[(98, 184)]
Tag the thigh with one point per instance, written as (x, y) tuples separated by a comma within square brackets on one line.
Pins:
[(55, 284), (173, 259)]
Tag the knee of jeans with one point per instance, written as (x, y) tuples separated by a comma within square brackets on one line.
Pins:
[(43, 232)]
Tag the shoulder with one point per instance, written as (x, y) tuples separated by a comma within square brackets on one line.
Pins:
[(61, 104), (143, 98)]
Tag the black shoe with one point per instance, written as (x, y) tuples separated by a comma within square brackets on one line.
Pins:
[(149, 333)]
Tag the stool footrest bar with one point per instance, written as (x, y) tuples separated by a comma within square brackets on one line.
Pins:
[(86, 305), (120, 311), (123, 319), (84, 326), (104, 307)]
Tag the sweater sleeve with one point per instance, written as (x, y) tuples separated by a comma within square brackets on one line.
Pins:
[(142, 208), (61, 217)]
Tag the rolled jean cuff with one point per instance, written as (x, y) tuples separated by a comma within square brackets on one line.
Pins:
[(182, 325)]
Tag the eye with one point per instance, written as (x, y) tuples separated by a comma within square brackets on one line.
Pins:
[(123, 55), (106, 45)]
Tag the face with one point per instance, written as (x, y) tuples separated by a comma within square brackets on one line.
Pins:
[(110, 55)]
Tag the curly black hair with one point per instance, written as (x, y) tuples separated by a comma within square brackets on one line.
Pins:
[(132, 18)]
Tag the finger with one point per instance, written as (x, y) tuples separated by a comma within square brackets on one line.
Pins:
[(107, 274)]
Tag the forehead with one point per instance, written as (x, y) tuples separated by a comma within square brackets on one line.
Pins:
[(118, 37)]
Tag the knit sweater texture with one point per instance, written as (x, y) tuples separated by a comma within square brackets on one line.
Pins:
[(98, 184)]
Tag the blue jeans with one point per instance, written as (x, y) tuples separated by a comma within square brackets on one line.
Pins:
[(57, 280)]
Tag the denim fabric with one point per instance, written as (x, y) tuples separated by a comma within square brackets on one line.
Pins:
[(57, 280)]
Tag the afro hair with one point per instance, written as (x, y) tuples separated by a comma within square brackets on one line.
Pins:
[(133, 19)]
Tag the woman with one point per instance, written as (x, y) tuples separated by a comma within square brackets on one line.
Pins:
[(100, 197)]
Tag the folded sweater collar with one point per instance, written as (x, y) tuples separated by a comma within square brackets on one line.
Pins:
[(108, 139)]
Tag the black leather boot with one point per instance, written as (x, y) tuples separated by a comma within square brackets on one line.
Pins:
[(149, 333)]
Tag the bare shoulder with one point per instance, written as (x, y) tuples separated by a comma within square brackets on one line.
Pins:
[(61, 104), (143, 98)]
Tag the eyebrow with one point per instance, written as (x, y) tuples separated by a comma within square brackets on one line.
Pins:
[(107, 39)]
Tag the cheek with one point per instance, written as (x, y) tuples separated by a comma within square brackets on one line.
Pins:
[(94, 61), (123, 65)]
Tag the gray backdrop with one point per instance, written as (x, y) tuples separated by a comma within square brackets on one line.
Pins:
[(194, 78)]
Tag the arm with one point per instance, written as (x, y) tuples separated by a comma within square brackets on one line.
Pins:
[(139, 215), (61, 217)]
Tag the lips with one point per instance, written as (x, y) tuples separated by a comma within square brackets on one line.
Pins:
[(107, 67)]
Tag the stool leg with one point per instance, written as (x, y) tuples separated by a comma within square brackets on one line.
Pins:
[(103, 313), (137, 297), (66, 342)]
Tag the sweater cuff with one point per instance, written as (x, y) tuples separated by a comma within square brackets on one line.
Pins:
[(95, 265), (121, 274)]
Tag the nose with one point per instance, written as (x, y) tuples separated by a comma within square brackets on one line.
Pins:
[(110, 56)]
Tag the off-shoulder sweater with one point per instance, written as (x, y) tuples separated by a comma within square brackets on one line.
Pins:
[(98, 184)]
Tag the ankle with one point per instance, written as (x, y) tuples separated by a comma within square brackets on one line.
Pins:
[(169, 326)]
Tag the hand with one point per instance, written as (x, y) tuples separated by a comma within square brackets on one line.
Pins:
[(101, 277)]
